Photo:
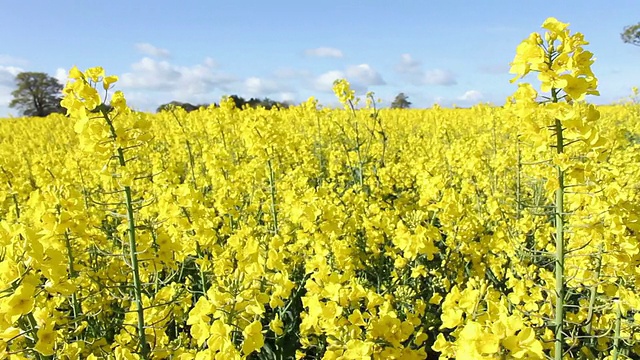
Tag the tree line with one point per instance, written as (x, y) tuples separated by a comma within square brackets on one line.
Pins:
[(239, 102), (39, 94)]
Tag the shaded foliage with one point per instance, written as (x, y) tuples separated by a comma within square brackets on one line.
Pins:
[(37, 94), (239, 101), (267, 103), (188, 107), (631, 34), (401, 102)]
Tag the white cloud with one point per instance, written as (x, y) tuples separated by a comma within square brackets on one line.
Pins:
[(148, 49), (8, 74), (12, 60), (259, 87), (408, 65), (199, 83), (324, 52), (5, 95), (152, 82), (142, 101), (61, 75), (439, 77), (414, 73), (364, 75), (286, 96), (324, 82), (7, 85), (361, 77), (468, 98), (288, 73), (471, 96), (501, 69), (209, 62), (150, 74)]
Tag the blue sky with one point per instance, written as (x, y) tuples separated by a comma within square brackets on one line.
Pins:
[(434, 51)]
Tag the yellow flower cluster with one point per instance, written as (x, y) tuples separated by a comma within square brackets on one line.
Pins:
[(560, 60), (317, 233)]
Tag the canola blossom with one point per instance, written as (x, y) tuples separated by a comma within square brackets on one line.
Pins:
[(312, 233)]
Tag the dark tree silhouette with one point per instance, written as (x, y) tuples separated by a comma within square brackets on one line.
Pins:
[(239, 102), (401, 102), (631, 34), (188, 107), (267, 103), (37, 94)]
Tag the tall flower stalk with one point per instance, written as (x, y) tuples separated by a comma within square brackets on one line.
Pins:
[(564, 70), (110, 140)]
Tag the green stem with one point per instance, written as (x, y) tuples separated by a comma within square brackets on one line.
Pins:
[(72, 274), (592, 298), (14, 194), (192, 164), (559, 268), (137, 283), (15, 202), (25, 323), (191, 160), (272, 185), (203, 281), (30, 319), (616, 338), (360, 165), (560, 251), (34, 326), (519, 181)]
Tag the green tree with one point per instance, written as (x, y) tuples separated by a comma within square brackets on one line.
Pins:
[(401, 102), (37, 94), (238, 100), (267, 103), (185, 105), (631, 34)]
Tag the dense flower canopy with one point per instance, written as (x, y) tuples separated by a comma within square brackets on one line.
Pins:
[(309, 232)]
